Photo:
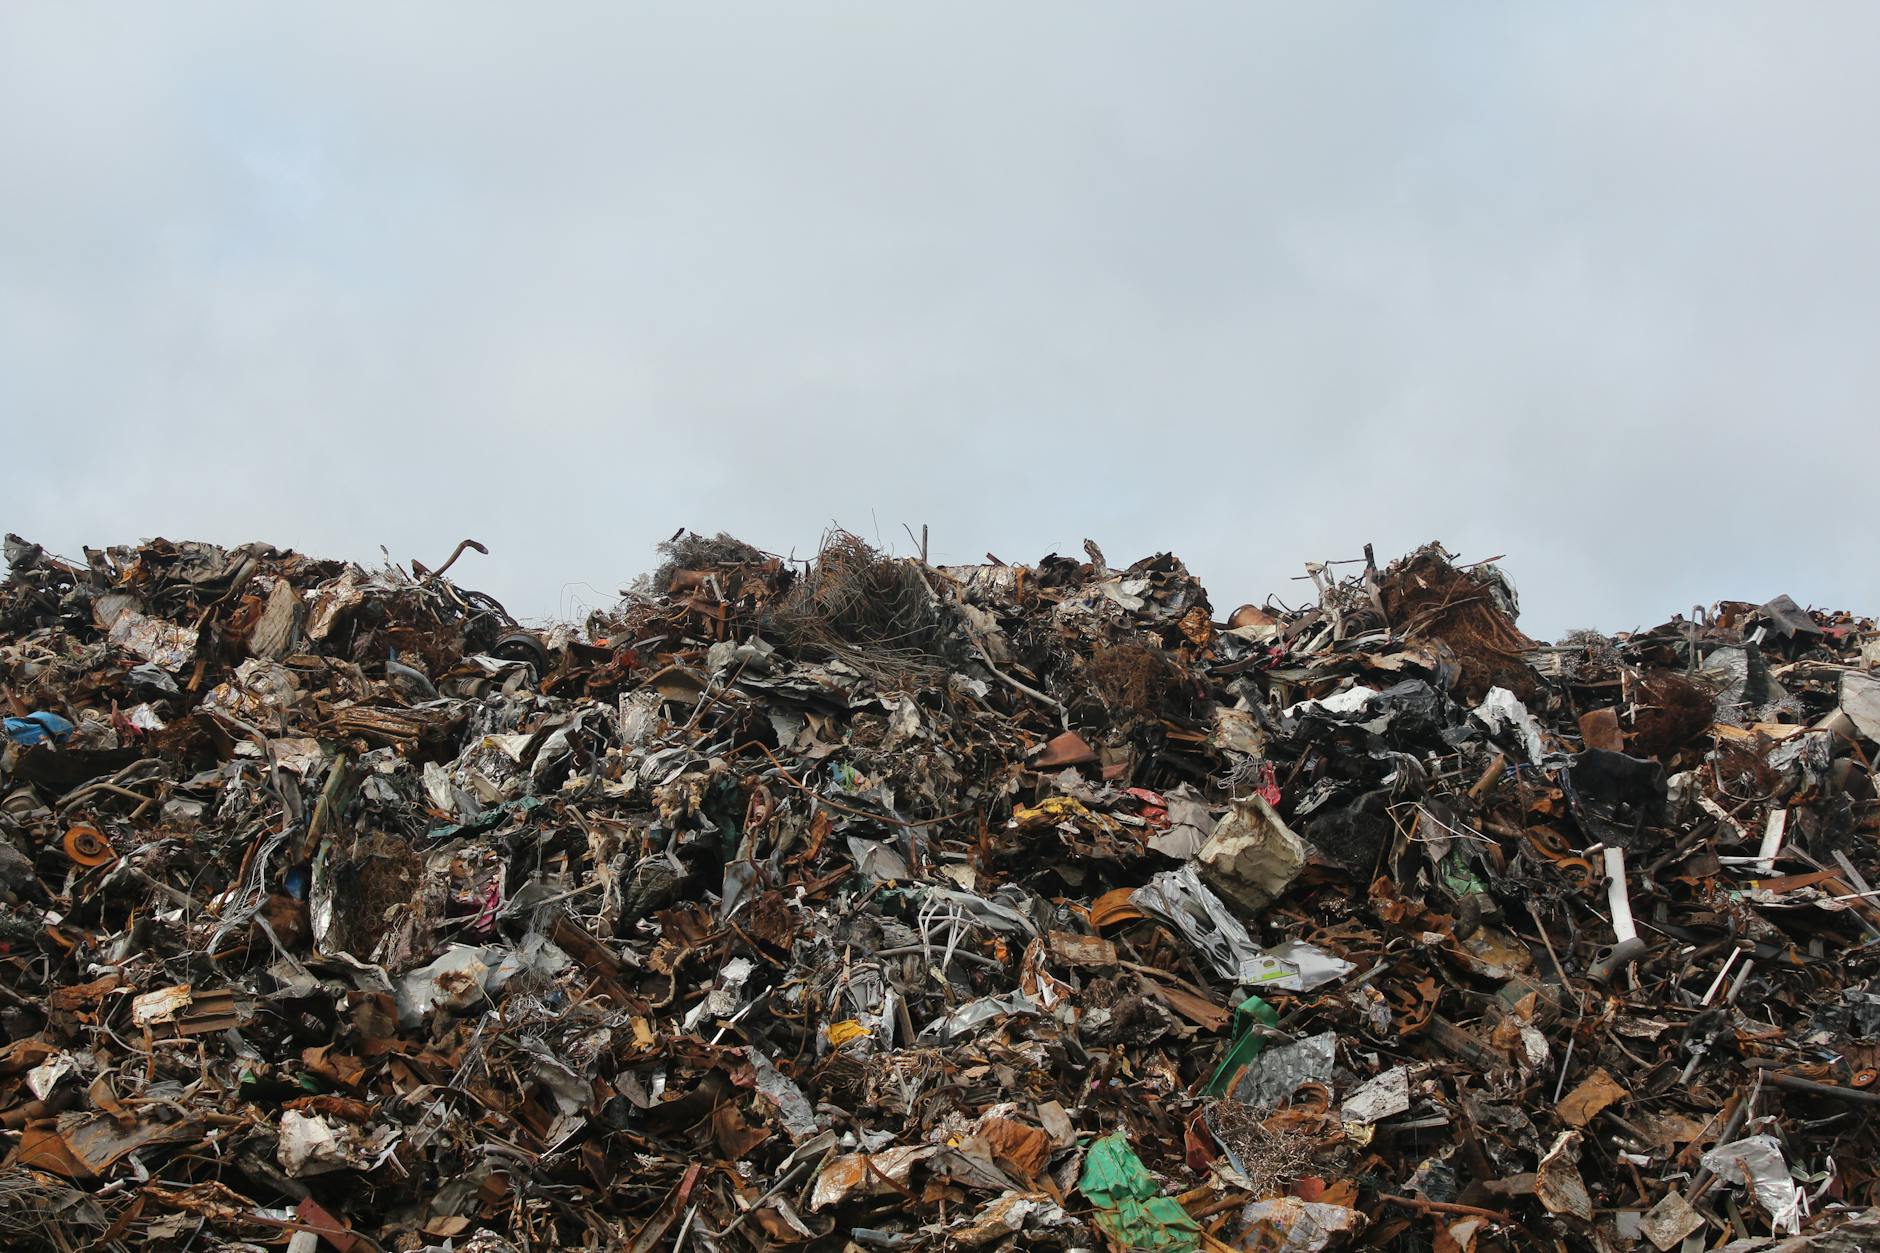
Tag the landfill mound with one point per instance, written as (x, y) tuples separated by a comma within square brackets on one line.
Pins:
[(867, 904)]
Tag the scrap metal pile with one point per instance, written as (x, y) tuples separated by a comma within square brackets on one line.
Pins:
[(867, 904)]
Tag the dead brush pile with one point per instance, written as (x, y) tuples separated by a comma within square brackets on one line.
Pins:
[(874, 612)]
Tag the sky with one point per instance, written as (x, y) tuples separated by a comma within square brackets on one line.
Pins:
[(1591, 286)]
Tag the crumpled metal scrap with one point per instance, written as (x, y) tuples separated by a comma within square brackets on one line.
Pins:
[(864, 904)]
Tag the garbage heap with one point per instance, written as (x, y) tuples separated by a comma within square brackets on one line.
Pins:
[(868, 904)]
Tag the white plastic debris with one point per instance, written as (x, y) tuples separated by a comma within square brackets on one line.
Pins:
[(1350, 701), (1756, 1162), (1189, 825), (145, 717), (798, 1115), (1860, 700), (1667, 1223), (1773, 832), (161, 643), (455, 980), (880, 862), (1300, 1226), (1299, 966), (1252, 857), (1380, 1098), (313, 1145), (962, 1018), (163, 1005), (1557, 1180), (1179, 898), (728, 991), (44, 1077), (1502, 710), (1008, 1215)]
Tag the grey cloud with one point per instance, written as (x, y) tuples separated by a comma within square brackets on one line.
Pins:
[(1592, 286)]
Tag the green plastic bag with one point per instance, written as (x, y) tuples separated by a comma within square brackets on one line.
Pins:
[(1130, 1207), (1253, 1013)]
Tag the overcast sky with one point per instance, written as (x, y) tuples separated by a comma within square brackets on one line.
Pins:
[(1594, 286)]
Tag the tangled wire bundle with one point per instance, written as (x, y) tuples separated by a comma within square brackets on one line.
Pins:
[(695, 552), (874, 611)]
